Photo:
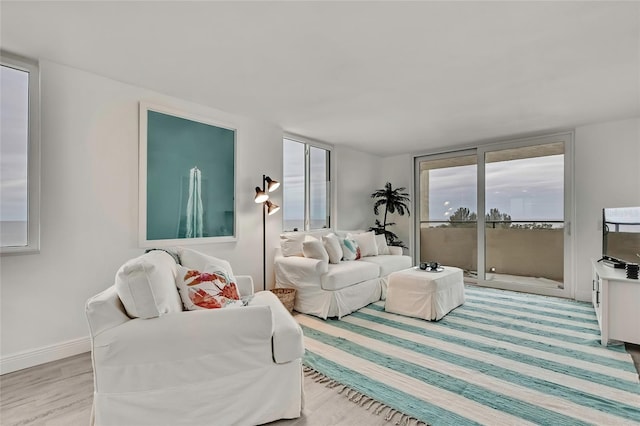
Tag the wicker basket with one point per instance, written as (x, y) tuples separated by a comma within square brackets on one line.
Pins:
[(287, 296)]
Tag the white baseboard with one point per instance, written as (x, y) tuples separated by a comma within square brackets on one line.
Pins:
[(45, 354), (583, 296)]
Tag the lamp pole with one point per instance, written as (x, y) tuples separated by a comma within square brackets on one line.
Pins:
[(268, 208), (264, 237)]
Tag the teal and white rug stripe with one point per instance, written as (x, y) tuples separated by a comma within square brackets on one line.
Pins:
[(487, 362)]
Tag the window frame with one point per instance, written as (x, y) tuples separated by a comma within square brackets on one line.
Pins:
[(308, 143), (31, 66)]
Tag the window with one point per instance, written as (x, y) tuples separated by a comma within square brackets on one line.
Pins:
[(306, 183), (19, 155)]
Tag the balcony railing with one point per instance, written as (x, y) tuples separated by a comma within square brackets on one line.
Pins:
[(530, 249)]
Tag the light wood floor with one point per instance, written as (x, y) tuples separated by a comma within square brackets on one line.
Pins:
[(60, 394)]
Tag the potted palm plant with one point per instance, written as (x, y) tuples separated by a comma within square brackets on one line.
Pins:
[(394, 201)]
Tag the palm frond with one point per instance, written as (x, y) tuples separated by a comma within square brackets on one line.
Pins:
[(377, 204)]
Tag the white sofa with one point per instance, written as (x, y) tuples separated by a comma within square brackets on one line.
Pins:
[(334, 290), (238, 365)]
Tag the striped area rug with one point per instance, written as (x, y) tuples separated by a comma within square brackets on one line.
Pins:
[(503, 358)]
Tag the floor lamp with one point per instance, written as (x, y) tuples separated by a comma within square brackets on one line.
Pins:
[(268, 208)]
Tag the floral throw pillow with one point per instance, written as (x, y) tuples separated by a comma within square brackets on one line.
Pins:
[(211, 288)]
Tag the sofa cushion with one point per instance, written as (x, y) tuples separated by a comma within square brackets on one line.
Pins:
[(381, 242), (313, 248), (146, 285), (332, 246), (346, 274), (207, 288), (389, 263), (367, 243)]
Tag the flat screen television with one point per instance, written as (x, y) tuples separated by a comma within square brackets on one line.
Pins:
[(620, 236)]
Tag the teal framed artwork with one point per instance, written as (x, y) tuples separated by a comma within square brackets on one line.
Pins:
[(187, 178)]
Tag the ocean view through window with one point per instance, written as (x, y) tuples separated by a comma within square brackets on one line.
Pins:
[(19, 155), (306, 186)]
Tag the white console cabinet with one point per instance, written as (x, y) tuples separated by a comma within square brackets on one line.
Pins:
[(616, 300)]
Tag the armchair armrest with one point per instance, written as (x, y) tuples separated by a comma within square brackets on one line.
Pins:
[(395, 250), (104, 311), (245, 284), (288, 342)]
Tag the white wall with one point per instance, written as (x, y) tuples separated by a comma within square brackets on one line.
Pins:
[(356, 177), (89, 211), (607, 174)]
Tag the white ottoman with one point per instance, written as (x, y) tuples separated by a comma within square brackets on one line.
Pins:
[(426, 295)]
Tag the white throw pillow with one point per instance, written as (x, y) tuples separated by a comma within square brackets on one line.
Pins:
[(367, 243), (314, 249), (381, 242), (291, 242), (332, 246), (208, 288), (146, 285), (350, 249), (197, 260)]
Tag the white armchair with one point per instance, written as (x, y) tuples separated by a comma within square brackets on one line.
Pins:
[(222, 366)]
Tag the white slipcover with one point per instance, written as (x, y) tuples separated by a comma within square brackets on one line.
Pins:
[(426, 295), (335, 290), (344, 274), (220, 366)]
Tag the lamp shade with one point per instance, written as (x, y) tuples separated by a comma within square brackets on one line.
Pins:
[(272, 185), (271, 207), (261, 196)]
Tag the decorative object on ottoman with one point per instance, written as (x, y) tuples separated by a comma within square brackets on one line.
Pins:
[(287, 296), (632, 271), (426, 295), (431, 267)]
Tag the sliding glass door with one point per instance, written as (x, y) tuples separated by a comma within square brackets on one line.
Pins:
[(499, 212), (448, 200)]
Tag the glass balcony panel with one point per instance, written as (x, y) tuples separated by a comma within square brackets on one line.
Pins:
[(448, 200), (524, 206)]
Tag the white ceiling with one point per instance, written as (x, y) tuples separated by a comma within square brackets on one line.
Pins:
[(381, 77)]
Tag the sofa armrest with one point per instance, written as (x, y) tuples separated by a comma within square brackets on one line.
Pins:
[(245, 285), (287, 334), (395, 250), (298, 272), (105, 311)]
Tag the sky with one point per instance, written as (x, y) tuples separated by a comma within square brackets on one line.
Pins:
[(526, 189), (293, 182), (13, 147)]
